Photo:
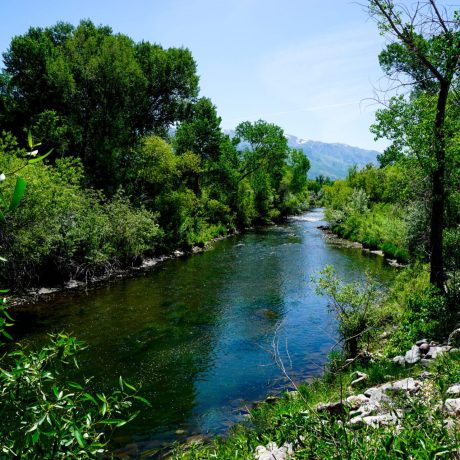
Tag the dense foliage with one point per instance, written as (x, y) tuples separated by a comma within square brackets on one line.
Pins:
[(140, 164)]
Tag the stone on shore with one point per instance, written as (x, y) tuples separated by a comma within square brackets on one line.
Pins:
[(413, 355), (273, 452)]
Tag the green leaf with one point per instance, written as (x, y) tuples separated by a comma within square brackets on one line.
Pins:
[(113, 421), (36, 160), (30, 141), (88, 397), (79, 438), (145, 401), (18, 194), (8, 336), (75, 385), (129, 386)]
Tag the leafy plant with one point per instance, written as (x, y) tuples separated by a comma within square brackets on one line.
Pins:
[(355, 305)]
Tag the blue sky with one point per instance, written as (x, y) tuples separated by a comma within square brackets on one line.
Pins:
[(309, 66)]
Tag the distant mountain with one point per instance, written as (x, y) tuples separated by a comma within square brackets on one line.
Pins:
[(330, 160)]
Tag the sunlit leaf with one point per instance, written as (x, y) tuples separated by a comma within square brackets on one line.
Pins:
[(36, 160), (18, 194)]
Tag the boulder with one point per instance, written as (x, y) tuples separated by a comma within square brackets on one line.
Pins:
[(408, 385), (452, 406), (436, 351), (273, 452), (454, 338), (424, 348), (380, 420), (413, 355), (399, 360), (421, 341), (356, 401), (454, 390)]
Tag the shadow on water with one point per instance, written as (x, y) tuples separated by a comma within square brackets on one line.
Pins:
[(196, 333)]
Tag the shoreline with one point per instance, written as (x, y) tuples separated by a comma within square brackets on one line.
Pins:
[(47, 293), (342, 242)]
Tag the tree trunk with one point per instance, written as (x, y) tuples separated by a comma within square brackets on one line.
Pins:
[(438, 192)]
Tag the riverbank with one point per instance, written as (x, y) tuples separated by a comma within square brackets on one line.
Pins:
[(46, 294), (381, 409), (399, 399), (179, 331), (335, 238)]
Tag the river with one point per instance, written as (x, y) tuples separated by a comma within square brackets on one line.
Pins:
[(197, 333)]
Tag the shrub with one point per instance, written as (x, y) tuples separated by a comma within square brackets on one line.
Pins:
[(64, 230), (427, 315), (356, 306)]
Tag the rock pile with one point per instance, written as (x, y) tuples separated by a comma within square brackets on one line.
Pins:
[(424, 351)]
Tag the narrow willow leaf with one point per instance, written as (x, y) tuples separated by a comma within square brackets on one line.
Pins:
[(145, 401), (79, 438), (36, 160), (18, 194)]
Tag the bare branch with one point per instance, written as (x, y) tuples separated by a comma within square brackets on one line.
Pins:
[(438, 14), (405, 36)]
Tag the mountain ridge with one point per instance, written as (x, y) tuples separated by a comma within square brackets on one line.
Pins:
[(329, 159)]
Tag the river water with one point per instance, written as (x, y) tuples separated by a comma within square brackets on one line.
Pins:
[(198, 333)]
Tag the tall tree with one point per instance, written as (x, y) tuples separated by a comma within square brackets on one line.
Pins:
[(425, 52), (92, 93)]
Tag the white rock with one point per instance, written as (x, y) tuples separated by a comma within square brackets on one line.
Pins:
[(436, 351), (366, 409), (355, 401), (452, 406), (454, 338), (378, 420), (399, 360), (377, 393), (413, 355), (454, 390), (273, 452)]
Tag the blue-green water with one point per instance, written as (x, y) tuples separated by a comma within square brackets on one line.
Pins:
[(197, 333)]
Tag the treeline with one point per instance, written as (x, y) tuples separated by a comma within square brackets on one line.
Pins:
[(387, 208), (139, 162)]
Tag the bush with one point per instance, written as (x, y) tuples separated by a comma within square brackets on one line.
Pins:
[(356, 306), (64, 231), (427, 316), (47, 417)]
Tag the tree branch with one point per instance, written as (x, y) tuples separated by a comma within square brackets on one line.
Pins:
[(438, 14), (403, 36)]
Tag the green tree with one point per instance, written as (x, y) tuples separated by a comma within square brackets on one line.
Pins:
[(425, 49), (92, 93), (263, 157)]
